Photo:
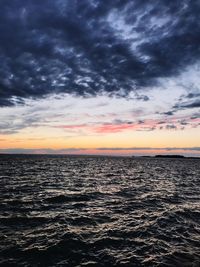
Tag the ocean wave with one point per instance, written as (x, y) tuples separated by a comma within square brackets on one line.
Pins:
[(90, 211)]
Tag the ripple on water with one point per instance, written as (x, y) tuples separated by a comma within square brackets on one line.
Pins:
[(99, 211)]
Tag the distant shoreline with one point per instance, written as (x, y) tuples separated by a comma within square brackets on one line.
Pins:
[(170, 157), (112, 156)]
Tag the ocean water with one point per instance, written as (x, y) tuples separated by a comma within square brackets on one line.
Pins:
[(99, 211)]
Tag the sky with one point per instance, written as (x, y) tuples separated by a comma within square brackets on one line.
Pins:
[(111, 77)]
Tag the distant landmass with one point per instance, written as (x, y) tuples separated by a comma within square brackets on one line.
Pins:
[(170, 156)]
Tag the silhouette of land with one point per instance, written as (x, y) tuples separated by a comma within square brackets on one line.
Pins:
[(170, 156)]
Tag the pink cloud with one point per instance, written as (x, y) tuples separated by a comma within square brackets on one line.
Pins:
[(118, 126), (112, 128)]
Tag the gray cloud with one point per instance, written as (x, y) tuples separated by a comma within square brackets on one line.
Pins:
[(13, 126), (152, 148), (168, 113), (193, 95), (194, 104), (171, 127), (195, 116), (89, 47)]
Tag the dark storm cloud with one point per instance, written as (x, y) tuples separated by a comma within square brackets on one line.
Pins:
[(187, 105), (193, 95), (139, 97), (93, 46), (168, 113), (189, 101)]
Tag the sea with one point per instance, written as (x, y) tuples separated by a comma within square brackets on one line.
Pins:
[(86, 211)]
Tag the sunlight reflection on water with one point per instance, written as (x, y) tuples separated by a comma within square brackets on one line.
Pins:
[(99, 211)]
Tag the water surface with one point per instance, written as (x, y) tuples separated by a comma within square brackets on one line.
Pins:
[(99, 211)]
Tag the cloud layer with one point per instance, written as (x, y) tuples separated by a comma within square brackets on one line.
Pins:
[(94, 46)]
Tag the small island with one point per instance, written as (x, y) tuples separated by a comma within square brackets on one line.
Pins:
[(169, 156), (166, 156)]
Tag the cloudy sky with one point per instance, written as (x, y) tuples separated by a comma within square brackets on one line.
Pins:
[(100, 77)]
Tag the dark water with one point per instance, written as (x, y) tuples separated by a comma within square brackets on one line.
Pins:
[(87, 211)]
